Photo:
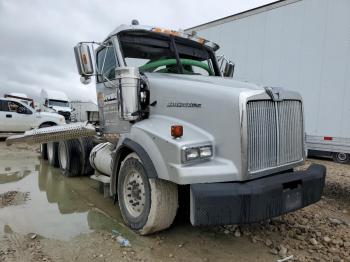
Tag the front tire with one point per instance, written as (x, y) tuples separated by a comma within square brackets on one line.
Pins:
[(342, 158), (147, 205)]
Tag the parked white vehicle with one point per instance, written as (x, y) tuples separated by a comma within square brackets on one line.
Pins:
[(17, 117), (55, 101)]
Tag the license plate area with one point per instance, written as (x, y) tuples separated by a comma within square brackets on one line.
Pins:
[(292, 195)]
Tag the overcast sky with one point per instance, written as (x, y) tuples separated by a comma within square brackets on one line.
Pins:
[(37, 36)]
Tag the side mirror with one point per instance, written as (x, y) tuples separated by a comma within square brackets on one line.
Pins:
[(22, 110), (227, 67), (84, 61)]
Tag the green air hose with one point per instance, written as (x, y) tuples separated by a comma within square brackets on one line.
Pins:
[(167, 62)]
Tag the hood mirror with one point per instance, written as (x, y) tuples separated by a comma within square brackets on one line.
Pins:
[(227, 67)]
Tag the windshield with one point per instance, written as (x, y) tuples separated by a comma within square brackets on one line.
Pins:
[(154, 52), (61, 103)]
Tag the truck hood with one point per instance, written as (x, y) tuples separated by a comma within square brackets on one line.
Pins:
[(217, 82), (60, 108), (48, 115)]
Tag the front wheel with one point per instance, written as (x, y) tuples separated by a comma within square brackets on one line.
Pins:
[(341, 158), (147, 205)]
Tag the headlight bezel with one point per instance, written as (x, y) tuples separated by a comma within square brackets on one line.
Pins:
[(186, 151)]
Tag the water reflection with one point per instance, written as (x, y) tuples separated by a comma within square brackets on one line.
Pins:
[(58, 207), (11, 173)]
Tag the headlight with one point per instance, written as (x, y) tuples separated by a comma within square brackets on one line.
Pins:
[(191, 154), (194, 153), (206, 151)]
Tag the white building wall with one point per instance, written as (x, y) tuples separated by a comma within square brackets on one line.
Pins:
[(303, 46)]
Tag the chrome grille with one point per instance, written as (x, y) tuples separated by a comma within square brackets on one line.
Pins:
[(275, 133)]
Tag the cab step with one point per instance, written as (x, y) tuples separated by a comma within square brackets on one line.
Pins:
[(104, 183)]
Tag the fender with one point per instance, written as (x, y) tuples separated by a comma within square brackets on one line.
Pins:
[(159, 151), (130, 145)]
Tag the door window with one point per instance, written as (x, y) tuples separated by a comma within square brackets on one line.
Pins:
[(3, 106), (16, 108), (106, 64)]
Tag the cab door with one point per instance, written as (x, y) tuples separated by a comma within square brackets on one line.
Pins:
[(106, 91), (4, 115), (18, 118)]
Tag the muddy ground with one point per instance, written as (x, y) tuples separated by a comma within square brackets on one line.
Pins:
[(47, 217)]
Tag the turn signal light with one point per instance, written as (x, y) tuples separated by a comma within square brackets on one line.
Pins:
[(177, 131)]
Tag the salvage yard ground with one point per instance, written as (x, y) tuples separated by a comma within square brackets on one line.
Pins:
[(47, 217)]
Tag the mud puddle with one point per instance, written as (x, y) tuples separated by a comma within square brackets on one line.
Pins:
[(55, 206)]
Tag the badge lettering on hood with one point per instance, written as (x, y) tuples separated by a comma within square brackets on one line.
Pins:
[(180, 104)]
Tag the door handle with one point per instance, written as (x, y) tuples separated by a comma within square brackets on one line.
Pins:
[(8, 116)]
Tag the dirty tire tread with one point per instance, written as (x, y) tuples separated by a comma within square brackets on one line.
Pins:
[(43, 147), (74, 163), (164, 199), (54, 160), (43, 151), (86, 144)]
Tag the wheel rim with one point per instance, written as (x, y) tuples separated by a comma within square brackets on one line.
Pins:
[(50, 150), (63, 156), (342, 157), (134, 193)]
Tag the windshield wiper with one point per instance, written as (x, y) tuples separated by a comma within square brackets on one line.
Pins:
[(178, 61)]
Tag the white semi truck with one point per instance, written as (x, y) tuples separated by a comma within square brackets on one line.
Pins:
[(171, 120), (55, 101), (301, 45)]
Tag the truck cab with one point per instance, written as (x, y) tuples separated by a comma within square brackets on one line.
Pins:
[(18, 117)]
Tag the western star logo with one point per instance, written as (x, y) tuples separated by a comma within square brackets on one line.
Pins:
[(180, 104)]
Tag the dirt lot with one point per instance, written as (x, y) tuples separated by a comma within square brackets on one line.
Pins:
[(47, 217)]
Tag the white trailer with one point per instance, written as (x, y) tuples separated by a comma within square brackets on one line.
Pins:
[(300, 45), (82, 110)]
